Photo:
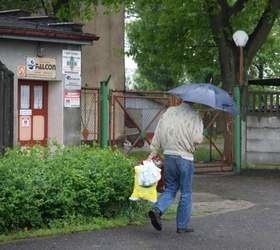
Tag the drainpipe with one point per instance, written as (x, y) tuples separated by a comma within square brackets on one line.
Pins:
[(104, 113), (237, 131)]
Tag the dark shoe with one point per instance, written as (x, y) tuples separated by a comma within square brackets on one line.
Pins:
[(154, 215), (185, 230)]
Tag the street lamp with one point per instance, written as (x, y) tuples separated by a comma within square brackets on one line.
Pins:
[(240, 38)]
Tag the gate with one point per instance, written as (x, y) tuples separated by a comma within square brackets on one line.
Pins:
[(90, 115), (6, 108), (134, 116), (217, 147)]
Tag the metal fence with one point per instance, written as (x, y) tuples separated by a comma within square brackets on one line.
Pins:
[(264, 102), (90, 115), (134, 116), (6, 108)]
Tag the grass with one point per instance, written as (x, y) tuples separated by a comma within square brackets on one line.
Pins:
[(202, 154), (135, 215), (64, 228)]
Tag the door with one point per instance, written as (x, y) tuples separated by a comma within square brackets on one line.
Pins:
[(33, 112)]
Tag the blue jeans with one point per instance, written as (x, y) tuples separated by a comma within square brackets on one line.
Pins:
[(178, 173)]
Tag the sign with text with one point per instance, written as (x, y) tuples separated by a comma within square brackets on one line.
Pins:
[(41, 67), (72, 99), (72, 82), (71, 62)]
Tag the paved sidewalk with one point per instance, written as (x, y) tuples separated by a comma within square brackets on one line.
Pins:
[(230, 212)]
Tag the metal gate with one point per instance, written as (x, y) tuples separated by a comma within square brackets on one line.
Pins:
[(6, 108), (134, 116), (217, 146), (90, 115)]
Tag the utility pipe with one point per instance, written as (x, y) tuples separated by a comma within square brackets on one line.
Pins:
[(237, 131), (104, 113)]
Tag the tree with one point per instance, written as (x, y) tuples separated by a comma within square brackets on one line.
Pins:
[(266, 64), (165, 45), (63, 9), (224, 18), (175, 40), (193, 39)]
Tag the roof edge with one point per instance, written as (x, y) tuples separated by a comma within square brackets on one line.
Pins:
[(54, 34)]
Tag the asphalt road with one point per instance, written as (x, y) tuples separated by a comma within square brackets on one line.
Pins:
[(256, 227)]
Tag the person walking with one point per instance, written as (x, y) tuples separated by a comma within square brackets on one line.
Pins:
[(177, 133)]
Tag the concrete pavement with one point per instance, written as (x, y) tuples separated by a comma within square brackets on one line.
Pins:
[(230, 212)]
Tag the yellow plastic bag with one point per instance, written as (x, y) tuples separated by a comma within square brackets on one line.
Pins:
[(140, 192)]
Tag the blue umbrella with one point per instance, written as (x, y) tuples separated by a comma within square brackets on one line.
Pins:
[(207, 94)]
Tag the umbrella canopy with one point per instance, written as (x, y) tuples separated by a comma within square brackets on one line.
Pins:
[(207, 94)]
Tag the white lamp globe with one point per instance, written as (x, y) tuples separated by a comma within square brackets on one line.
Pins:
[(240, 38)]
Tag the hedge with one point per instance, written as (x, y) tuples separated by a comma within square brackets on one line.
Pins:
[(39, 185)]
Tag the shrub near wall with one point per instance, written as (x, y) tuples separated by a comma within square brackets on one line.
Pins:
[(39, 185)]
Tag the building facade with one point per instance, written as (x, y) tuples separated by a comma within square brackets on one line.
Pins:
[(45, 57)]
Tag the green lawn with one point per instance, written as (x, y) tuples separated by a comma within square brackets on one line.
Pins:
[(202, 154)]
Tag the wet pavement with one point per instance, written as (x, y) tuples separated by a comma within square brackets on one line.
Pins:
[(229, 212)]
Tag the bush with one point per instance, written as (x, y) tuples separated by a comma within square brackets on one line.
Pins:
[(40, 185)]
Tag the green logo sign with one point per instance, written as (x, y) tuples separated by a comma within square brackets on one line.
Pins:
[(71, 63)]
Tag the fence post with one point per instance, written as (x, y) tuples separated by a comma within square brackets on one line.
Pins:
[(104, 113), (237, 131)]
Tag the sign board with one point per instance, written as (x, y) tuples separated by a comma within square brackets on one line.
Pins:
[(21, 69), (41, 67), (72, 99), (25, 122), (71, 62), (25, 111), (72, 82)]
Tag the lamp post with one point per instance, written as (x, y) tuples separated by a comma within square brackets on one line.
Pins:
[(240, 39)]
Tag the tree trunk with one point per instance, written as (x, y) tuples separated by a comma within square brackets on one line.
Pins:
[(229, 63), (229, 66)]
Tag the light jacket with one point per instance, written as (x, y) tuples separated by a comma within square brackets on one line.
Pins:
[(178, 131)]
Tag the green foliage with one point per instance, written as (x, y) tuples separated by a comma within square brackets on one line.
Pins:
[(41, 185), (32, 5), (203, 154), (266, 64), (173, 41), (169, 41), (65, 10)]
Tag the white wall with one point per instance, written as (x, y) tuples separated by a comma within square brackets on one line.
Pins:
[(263, 141)]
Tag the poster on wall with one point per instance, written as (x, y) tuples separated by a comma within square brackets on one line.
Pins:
[(71, 62), (72, 82), (72, 99), (21, 70), (41, 67), (25, 122)]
